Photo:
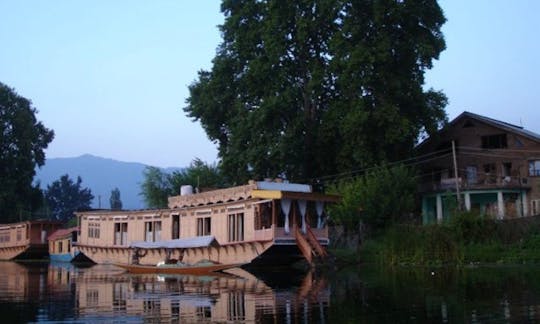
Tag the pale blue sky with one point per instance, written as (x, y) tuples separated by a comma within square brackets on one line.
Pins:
[(111, 77)]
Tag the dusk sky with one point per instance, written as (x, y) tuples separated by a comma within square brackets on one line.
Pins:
[(110, 77)]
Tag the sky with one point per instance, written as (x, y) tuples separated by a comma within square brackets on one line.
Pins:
[(111, 77)]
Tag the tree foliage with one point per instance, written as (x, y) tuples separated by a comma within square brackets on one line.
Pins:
[(158, 185), (307, 88), (114, 200), (23, 140), (64, 197), (379, 198)]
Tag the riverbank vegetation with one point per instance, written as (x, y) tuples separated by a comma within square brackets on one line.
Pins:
[(468, 238)]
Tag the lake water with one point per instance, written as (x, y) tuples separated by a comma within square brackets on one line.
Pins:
[(43, 292)]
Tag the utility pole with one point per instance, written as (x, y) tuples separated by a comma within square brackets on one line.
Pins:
[(456, 174)]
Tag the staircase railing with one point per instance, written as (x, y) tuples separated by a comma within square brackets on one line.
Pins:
[(303, 245), (314, 242)]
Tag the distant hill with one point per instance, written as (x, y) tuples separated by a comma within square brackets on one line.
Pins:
[(101, 175)]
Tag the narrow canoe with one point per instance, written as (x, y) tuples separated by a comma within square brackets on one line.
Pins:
[(173, 269)]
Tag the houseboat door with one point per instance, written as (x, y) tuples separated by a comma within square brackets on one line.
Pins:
[(175, 226)]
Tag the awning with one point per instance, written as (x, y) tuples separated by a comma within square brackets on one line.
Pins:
[(309, 196), (183, 243)]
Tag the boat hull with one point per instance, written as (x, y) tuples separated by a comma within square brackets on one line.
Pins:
[(194, 270)]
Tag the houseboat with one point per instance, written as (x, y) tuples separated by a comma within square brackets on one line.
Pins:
[(265, 222), (26, 240), (62, 245)]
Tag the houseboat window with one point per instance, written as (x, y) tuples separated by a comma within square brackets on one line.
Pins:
[(175, 226), (93, 230), (203, 226), (236, 227), (4, 237), (60, 247), (120, 233), (19, 235), (534, 168), (494, 141), (263, 216), (152, 231)]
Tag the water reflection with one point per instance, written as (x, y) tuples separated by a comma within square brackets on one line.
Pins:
[(40, 292), (63, 292)]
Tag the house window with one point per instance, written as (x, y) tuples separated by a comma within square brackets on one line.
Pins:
[(19, 235), (489, 170), (472, 174), (152, 231), (60, 247), (494, 141), (120, 233), (534, 168), (93, 230), (203, 226), (236, 227)]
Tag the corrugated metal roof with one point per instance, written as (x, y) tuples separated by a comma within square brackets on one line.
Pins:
[(183, 243), (62, 233)]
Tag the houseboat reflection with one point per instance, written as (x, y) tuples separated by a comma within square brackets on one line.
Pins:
[(233, 296)]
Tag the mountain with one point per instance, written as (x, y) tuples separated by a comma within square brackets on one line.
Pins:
[(101, 175)]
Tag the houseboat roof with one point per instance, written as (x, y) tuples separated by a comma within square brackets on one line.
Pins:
[(254, 189), (62, 233), (182, 243), (32, 222)]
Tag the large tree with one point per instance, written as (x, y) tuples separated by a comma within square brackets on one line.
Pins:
[(64, 197), (305, 88), (23, 140), (158, 185)]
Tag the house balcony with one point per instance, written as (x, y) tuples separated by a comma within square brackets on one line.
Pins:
[(484, 182)]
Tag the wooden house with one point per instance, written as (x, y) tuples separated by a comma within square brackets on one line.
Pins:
[(493, 165)]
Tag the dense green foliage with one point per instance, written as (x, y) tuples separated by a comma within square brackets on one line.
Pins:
[(305, 88), (158, 185), (23, 140), (381, 197), (468, 238), (64, 197), (114, 200)]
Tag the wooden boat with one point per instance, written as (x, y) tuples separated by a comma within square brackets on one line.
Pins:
[(26, 240), (200, 268)]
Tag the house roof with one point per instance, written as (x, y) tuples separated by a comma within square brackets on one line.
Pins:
[(62, 233), (499, 124), (492, 122)]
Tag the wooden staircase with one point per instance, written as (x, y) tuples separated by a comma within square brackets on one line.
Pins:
[(309, 245)]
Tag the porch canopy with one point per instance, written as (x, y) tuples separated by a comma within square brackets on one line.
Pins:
[(293, 195), (182, 243)]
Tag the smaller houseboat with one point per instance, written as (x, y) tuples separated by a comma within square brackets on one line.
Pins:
[(61, 245), (26, 240)]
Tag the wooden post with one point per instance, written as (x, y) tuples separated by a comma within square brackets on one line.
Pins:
[(456, 174)]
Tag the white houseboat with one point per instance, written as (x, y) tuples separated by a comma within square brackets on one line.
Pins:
[(261, 222)]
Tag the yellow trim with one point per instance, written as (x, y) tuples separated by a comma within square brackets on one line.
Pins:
[(267, 194)]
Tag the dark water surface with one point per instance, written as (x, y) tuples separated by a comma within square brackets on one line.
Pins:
[(43, 292)]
